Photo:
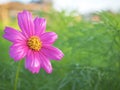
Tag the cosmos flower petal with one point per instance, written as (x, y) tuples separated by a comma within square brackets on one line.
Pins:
[(13, 35), (26, 23), (40, 25), (32, 62), (48, 37), (18, 51), (45, 63), (52, 52)]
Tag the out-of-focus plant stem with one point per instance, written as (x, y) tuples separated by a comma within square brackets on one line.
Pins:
[(17, 76)]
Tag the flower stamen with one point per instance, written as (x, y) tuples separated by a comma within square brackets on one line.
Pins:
[(34, 43)]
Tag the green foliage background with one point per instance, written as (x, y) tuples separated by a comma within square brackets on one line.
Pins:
[(91, 61)]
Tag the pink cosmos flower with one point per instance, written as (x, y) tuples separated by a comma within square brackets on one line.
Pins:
[(33, 43)]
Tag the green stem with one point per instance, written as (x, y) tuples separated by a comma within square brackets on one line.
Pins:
[(17, 76)]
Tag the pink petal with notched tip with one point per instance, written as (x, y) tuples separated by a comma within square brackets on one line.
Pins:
[(13, 35), (52, 52), (18, 51), (32, 62), (45, 63), (48, 38), (26, 23), (40, 25)]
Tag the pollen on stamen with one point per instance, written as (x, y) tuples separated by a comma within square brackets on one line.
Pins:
[(34, 43)]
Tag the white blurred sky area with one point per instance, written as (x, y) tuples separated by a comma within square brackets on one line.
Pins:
[(83, 6)]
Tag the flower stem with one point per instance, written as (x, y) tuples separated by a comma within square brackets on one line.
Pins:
[(17, 76)]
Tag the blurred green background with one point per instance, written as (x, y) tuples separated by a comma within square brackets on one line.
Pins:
[(91, 61)]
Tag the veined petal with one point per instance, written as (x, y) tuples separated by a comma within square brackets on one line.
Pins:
[(45, 63), (52, 52), (26, 23), (40, 25), (32, 62), (13, 35), (48, 38), (18, 51)]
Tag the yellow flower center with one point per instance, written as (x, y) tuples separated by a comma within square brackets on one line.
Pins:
[(34, 43)]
